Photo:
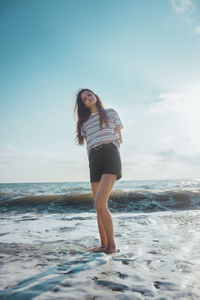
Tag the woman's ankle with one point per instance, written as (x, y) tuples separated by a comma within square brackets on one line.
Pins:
[(111, 246)]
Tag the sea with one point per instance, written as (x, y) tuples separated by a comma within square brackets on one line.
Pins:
[(47, 229)]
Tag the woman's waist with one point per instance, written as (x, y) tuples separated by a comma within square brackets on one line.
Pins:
[(100, 146)]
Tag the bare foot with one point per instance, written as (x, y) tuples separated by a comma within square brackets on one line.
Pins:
[(97, 249), (111, 250)]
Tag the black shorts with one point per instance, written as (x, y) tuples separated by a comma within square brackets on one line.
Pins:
[(103, 159)]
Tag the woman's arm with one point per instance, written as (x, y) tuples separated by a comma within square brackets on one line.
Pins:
[(118, 130)]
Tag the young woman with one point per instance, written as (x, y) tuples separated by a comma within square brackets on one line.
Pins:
[(101, 128)]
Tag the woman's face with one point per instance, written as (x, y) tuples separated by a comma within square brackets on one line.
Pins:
[(88, 98)]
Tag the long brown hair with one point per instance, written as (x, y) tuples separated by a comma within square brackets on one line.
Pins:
[(84, 112)]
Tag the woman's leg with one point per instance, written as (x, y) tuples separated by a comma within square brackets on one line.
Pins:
[(102, 232), (101, 200)]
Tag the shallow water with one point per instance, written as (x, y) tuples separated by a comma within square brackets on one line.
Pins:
[(44, 248), (46, 255)]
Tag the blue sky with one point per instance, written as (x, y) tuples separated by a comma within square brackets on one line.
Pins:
[(142, 59)]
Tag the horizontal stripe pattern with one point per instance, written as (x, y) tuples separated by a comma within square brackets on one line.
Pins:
[(93, 134)]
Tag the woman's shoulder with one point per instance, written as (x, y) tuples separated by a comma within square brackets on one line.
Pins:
[(110, 110)]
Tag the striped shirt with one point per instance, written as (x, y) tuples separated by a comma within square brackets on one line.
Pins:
[(93, 134)]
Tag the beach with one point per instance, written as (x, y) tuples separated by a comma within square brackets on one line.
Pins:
[(46, 230)]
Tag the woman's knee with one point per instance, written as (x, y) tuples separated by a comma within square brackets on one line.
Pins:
[(100, 208)]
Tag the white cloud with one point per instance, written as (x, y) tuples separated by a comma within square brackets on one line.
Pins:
[(10, 153), (182, 109), (189, 13), (181, 6), (164, 141), (21, 166), (129, 123), (197, 29)]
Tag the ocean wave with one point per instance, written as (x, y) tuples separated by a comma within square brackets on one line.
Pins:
[(119, 200)]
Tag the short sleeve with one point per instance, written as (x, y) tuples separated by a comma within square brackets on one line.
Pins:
[(83, 133), (117, 121)]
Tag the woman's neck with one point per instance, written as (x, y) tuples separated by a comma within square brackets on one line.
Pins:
[(93, 109)]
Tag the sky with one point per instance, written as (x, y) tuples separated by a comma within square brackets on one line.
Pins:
[(141, 57)]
